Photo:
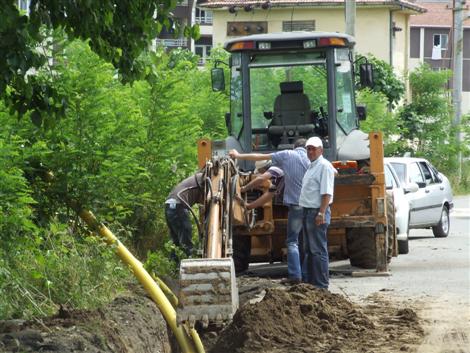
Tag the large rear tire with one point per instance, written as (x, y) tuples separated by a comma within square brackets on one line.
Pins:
[(441, 230), (361, 247), (241, 253)]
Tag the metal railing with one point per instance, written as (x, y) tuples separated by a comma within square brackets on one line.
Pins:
[(177, 42)]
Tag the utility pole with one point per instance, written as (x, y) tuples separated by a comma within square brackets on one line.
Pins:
[(458, 10), (350, 16)]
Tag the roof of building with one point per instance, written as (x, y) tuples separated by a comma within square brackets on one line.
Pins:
[(403, 4), (439, 14)]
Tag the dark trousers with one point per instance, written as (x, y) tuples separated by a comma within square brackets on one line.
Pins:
[(316, 248), (180, 227)]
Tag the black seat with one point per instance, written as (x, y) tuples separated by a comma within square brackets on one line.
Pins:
[(292, 115)]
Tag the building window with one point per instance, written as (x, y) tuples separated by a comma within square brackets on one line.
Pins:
[(440, 40), (290, 26), (204, 17), (203, 51), (439, 45)]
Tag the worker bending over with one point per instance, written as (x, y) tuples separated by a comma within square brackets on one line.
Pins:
[(265, 171), (187, 193)]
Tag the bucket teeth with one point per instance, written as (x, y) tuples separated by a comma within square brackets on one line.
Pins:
[(208, 291)]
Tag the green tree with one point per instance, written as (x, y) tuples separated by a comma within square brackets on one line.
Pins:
[(118, 31), (379, 118)]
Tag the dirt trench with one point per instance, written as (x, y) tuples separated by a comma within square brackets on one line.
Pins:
[(273, 318)]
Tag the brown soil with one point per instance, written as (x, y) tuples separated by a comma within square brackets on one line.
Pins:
[(272, 319), (128, 324), (305, 319)]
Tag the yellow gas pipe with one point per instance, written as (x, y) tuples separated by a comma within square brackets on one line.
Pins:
[(155, 292)]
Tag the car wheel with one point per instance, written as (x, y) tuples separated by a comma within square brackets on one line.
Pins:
[(403, 247), (441, 230)]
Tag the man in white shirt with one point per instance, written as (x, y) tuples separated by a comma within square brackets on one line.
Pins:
[(315, 198)]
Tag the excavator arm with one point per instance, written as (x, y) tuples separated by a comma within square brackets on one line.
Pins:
[(208, 287)]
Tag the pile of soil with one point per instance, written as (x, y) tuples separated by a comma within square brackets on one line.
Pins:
[(131, 324), (305, 319)]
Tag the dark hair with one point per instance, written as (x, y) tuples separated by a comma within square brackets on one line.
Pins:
[(300, 142)]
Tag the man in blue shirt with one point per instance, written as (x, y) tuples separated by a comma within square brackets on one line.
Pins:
[(294, 163), (315, 198)]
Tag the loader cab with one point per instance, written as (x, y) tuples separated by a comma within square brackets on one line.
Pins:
[(290, 85)]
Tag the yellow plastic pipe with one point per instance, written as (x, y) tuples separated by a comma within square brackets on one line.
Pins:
[(174, 301), (155, 292)]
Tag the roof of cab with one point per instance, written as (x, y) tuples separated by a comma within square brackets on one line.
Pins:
[(296, 35)]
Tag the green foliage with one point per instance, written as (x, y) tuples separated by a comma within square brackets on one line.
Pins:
[(119, 151), (379, 118), (118, 31), (56, 268), (385, 80), (164, 262), (427, 119)]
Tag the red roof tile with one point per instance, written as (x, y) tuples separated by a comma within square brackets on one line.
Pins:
[(439, 14)]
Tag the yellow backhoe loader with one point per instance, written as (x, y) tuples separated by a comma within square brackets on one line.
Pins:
[(283, 87)]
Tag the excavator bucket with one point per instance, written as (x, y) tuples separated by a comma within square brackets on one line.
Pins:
[(208, 291)]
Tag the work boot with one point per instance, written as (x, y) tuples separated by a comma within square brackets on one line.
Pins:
[(291, 281)]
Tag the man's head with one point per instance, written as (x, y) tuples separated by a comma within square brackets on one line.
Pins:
[(314, 146), (262, 166), (299, 143)]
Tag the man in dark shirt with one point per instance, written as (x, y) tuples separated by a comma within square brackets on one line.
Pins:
[(177, 204)]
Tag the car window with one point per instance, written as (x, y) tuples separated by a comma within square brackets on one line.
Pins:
[(414, 174), (390, 182), (428, 174), (400, 170)]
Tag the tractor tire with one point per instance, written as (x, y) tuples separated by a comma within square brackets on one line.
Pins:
[(361, 247), (241, 253), (441, 230)]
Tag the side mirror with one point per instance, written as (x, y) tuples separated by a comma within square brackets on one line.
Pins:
[(218, 79), (228, 122), (411, 187), (361, 112), (366, 73)]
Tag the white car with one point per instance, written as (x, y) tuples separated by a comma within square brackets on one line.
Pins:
[(402, 207), (430, 205)]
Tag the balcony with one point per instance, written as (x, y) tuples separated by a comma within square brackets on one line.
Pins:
[(173, 43)]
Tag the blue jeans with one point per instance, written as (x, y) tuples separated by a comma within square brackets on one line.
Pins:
[(179, 224), (316, 248), (294, 228)]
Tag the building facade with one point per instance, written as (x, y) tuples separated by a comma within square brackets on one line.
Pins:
[(431, 40)]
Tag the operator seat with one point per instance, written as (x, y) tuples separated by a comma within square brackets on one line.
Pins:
[(292, 116)]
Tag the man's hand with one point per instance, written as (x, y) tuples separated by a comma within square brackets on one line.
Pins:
[(233, 154), (320, 218)]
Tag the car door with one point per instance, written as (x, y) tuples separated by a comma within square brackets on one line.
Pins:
[(419, 212), (434, 194)]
